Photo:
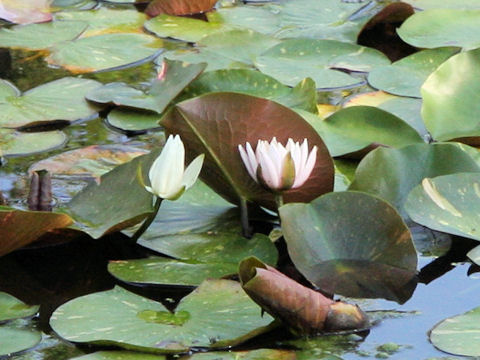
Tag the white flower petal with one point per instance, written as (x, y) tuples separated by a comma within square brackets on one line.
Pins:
[(192, 171)]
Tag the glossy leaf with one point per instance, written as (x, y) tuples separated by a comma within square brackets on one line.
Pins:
[(261, 19), (15, 339), (293, 60), (216, 314), (125, 119), (33, 11), (111, 51), (40, 36), (366, 252), (19, 228), (458, 334), (474, 255), (119, 355), (12, 308), (442, 27), (15, 143), (450, 97), (392, 173), (405, 77), (215, 124), (447, 203), (178, 7), (61, 99), (264, 354)]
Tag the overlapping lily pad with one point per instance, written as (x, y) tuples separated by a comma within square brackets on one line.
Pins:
[(448, 203), (264, 354), (15, 339), (459, 334), (295, 59), (12, 308), (442, 27), (217, 314), (261, 19), (450, 97), (366, 252), (406, 76), (445, 4), (16, 143), (61, 99), (119, 355), (40, 36), (131, 120), (104, 52), (392, 173), (33, 11), (178, 7)]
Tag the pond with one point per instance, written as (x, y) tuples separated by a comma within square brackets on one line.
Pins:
[(385, 218)]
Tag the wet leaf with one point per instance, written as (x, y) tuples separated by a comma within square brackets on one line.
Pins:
[(178, 7), (264, 354), (293, 60), (392, 173), (447, 203), (366, 252), (119, 355), (15, 339), (215, 124), (217, 314), (442, 27), (458, 334), (15, 143), (11, 308), (33, 11), (405, 77), (134, 120), (450, 97), (261, 19), (61, 99), (40, 36), (19, 228), (111, 51)]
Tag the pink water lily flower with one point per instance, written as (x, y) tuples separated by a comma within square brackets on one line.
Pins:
[(279, 167)]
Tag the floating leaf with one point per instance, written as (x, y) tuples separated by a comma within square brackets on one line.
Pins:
[(104, 20), (356, 127), (61, 99), (178, 7), (406, 76), (110, 51), (442, 27), (445, 4), (15, 143), (90, 161), (392, 173), (15, 339), (251, 82), (366, 252), (33, 11), (40, 36), (119, 355), (119, 201), (260, 19), (293, 60), (264, 354), (215, 124), (127, 120), (458, 334), (175, 76), (450, 97), (216, 314), (19, 228), (449, 203), (11, 308)]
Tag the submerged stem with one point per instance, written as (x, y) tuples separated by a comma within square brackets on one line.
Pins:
[(246, 229), (147, 221)]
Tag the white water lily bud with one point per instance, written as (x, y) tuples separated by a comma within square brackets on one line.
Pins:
[(168, 176), (279, 167)]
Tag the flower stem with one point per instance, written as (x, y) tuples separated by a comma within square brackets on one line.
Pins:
[(246, 229), (279, 200), (147, 221)]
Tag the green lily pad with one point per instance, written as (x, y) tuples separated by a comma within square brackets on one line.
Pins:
[(356, 127), (61, 99), (260, 354), (450, 97), (392, 173), (217, 314), (182, 28), (15, 143), (447, 203), (366, 252), (445, 4), (175, 76), (442, 27), (15, 339), (19, 228), (106, 20), (459, 334), (11, 308), (110, 51), (40, 36), (162, 271), (474, 255), (133, 120), (228, 43), (251, 82), (262, 19), (119, 355), (119, 201), (406, 76), (293, 60), (329, 19)]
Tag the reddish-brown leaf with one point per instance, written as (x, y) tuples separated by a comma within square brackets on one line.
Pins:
[(179, 7)]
